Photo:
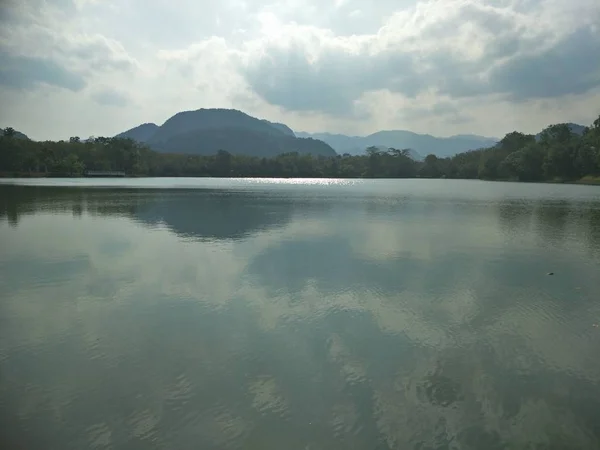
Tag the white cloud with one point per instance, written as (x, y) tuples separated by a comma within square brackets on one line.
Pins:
[(110, 97), (457, 66)]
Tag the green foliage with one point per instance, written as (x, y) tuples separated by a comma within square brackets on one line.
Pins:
[(558, 154), (74, 157)]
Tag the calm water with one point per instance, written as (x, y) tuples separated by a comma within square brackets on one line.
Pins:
[(285, 314)]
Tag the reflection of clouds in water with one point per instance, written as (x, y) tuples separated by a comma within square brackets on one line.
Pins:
[(352, 368), (222, 428), (100, 436), (267, 396), (421, 232), (344, 419), (430, 405), (143, 424), (428, 400), (547, 336), (214, 274)]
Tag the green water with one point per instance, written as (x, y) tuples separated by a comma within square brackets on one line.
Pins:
[(290, 314)]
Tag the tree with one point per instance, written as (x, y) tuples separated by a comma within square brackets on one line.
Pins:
[(515, 141), (223, 163), (430, 167), (526, 164), (558, 154)]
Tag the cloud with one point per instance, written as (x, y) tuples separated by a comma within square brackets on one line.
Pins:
[(110, 97), (439, 67), (454, 48), (567, 68), (23, 72), (49, 44)]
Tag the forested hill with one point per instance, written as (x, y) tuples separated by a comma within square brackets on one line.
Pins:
[(558, 154), (573, 127), (206, 131), (14, 133), (142, 133)]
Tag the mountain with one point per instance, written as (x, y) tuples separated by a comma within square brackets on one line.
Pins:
[(282, 127), (142, 133), (17, 134), (471, 137), (239, 141), (575, 128), (422, 144), (206, 131)]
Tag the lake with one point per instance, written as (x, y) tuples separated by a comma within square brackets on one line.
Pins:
[(299, 314)]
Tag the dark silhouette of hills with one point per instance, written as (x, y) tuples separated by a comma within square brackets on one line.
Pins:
[(142, 133), (282, 127), (240, 142), (214, 214), (16, 134), (206, 131), (190, 213)]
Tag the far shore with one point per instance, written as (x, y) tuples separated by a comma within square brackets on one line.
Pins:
[(587, 180)]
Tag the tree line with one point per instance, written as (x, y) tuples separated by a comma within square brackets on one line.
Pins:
[(557, 154)]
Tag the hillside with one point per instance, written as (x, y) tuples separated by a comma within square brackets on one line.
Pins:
[(239, 141), (575, 128), (563, 155), (206, 131), (422, 144), (281, 127), (16, 134), (141, 133)]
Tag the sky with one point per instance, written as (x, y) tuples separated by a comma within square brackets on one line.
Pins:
[(443, 67)]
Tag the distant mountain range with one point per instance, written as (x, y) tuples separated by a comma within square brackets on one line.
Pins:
[(206, 131), (420, 144)]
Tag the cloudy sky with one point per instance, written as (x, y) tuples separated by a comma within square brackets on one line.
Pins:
[(98, 67)]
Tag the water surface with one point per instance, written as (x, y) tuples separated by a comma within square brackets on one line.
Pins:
[(299, 314)]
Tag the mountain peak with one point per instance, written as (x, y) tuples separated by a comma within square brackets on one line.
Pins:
[(206, 131)]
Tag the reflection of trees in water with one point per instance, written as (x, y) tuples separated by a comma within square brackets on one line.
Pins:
[(552, 220), (514, 217), (192, 213), (470, 393), (551, 223), (17, 201), (364, 388)]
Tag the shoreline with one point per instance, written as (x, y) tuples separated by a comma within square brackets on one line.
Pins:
[(588, 180)]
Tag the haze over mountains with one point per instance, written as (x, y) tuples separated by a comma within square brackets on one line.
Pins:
[(421, 144)]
